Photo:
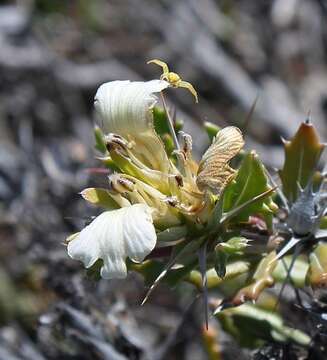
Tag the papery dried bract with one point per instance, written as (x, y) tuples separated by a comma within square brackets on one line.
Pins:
[(214, 172)]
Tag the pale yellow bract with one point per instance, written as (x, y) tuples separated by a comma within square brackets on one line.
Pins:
[(173, 78)]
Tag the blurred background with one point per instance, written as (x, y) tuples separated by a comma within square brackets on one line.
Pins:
[(53, 56)]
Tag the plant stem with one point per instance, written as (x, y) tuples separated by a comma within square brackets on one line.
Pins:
[(170, 122)]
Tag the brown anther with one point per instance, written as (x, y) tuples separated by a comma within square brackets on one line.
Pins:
[(109, 146), (119, 184), (179, 180), (128, 185), (114, 141), (171, 201)]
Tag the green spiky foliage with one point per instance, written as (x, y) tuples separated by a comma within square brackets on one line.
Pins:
[(302, 155), (217, 255)]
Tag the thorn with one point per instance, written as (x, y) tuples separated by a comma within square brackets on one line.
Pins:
[(299, 187), (291, 243), (249, 115), (223, 306), (284, 141), (308, 119), (203, 268), (288, 274)]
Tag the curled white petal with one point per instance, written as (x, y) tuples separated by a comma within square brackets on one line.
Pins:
[(113, 236), (125, 109), (124, 106)]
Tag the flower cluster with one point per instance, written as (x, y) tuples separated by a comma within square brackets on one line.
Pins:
[(220, 223), (151, 192)]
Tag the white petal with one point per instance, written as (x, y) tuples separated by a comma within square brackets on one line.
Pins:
[(139, 233), (125, 106), (113, 236), (125, 109)]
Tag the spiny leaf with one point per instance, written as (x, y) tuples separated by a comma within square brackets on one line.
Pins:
[(250, 182), (302, 156)]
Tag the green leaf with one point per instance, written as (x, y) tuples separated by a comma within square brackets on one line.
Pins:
[(220, 263), (151, 269), (169, 143), (184, 251), (234, 246), (233, 270), (250, 182), (250, 324), (239, 209), (302, 156), (217, 213), (211, 129), (160, 122), (161, 127), (109, 163), (323, 223), (317, 276), (298, 273), (172, 234), (100, 143), (224, 250)]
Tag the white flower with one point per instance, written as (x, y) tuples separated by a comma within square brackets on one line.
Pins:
[(113, 236), (125, 108), (124, 105)]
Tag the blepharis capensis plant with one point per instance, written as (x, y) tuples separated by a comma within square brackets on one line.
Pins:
[(223, 224)]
